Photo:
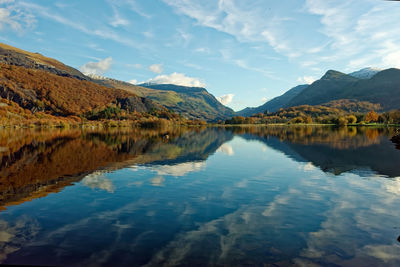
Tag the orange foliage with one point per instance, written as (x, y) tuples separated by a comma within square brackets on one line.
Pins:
[(68, 96), (371, 116)]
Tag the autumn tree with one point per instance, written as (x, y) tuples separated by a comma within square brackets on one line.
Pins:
[(371, 116), (351, 119)]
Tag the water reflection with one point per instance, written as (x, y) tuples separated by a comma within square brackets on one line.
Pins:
[(282, 196), (334, 150), (35, 163)]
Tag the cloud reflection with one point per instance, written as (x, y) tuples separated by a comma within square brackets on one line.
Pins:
[(226, 149), (180, 169), (98, 180)]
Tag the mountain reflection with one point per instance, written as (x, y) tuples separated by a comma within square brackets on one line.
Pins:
[(35, 163), (334, 150)]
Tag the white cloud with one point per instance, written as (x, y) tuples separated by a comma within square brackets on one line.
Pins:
[(6, 19), (367, 33), (346, 29), (204, 50), (137, 9), (119, 21), (264, 99), (105, 32), (225, 99), (306, 79), (136, 66), (177, 79), (14, 18), (156, 68), (148, 34), (227, 56), (133, 81), (247, 23), (97, 68)]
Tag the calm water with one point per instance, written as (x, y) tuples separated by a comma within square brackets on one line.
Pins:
[(242, 196)]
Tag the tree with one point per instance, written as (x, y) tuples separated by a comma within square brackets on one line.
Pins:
[(351, 119), (371, 116), (342, 121), (308, 119)]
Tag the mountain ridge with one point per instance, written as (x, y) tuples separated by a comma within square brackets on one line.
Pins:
[(380, 88)]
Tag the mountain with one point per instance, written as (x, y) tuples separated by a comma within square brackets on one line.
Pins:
[(39, 83), (275, 103), (33, 87), (383, 88), (365, 73), (369, 87), (190, 102), (197, 102)]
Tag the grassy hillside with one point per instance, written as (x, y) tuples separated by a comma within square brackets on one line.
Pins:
[(190, 102), (197, 102), (165, 98), (323, 90)]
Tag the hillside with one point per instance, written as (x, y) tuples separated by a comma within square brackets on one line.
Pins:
[(36, 89), (14, 56), (190, 102), (275, 103), (165, 98), (324, 89), (197, 102), (383, 88), (67, 91)]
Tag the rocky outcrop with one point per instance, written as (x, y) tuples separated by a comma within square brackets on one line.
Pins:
[(138, 104)]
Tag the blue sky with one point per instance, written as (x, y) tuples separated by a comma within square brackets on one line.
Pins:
[(243, 51)]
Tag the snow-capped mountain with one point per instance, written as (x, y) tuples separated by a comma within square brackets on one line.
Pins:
[(365, 73)]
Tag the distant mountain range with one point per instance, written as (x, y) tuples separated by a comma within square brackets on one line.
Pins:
[(367, 85)]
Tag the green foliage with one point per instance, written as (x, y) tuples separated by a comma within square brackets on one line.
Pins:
[(107, 113)]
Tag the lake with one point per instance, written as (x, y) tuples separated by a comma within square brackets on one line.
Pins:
[(259, 196)]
